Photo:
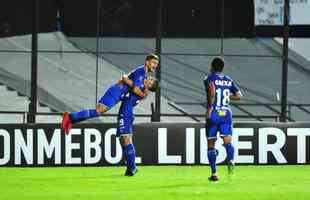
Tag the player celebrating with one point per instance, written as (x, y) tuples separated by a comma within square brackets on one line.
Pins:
[(125, 122), (114, 94), (220, 89)]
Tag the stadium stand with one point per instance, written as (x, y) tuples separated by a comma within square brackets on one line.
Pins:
[(66, 81), (67, 72), (11, 100), (299, 45), (185, 66)]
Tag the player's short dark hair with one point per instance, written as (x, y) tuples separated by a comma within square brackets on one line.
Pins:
[(151, 56), (155, 85), (217, 64)]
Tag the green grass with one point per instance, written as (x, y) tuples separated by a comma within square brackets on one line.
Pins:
[(156, 182)]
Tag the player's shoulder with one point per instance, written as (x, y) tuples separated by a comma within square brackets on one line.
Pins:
[(206, 80), (228, 78), (137, 70), (140, 68), (211, 77)]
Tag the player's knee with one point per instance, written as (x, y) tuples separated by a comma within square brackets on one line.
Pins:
[(211, 143), (101, 109), (126, 140), (227, 140)]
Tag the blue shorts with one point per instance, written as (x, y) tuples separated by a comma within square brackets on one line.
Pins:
[(124, 125), (221, 121), (112, 96)]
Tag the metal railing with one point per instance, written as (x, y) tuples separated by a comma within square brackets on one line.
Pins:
[(269, 106), (194, 117)]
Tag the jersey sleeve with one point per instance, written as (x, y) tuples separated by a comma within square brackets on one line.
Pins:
[(135, 76), (234, 88), (132, 75)]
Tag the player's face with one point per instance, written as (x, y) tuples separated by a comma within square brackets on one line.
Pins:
[(152, 65), (150, 82)]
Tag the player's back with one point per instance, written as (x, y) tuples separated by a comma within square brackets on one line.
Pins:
[(224, 86), (139, 73), (136, 75)]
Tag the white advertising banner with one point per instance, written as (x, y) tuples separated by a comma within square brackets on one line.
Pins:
[(271, 12)]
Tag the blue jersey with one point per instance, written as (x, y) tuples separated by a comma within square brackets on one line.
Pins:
[(221, 115), (130, 101), (125, 115), (224, 86), (138, 75), (117, 91)]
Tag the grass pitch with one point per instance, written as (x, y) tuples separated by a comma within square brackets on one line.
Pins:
[(155, 182)]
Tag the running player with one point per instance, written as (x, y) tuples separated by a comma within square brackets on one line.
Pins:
[(220, 89), (125, 122), (114, 94)]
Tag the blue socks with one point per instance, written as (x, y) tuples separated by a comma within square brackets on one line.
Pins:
[(212, 154), (230, 150), (84, 115), (130, 155)]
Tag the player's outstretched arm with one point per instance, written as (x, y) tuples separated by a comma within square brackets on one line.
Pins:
[(236, 97), (135, 89)]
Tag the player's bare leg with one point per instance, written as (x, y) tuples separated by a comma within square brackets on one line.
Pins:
[(230, 154), (212, 154), (125, 140), (102, 109), (129, 153)]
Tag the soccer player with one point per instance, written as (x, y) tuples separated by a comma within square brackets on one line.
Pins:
[(114, 94), (125, 122), (220, 89)]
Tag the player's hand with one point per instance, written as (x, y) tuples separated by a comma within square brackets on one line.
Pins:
[(120, 81), (208, 113), (208, 116), (146, 93), (208, 121)]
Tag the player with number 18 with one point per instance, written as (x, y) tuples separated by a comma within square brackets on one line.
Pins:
[(220, 89)]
